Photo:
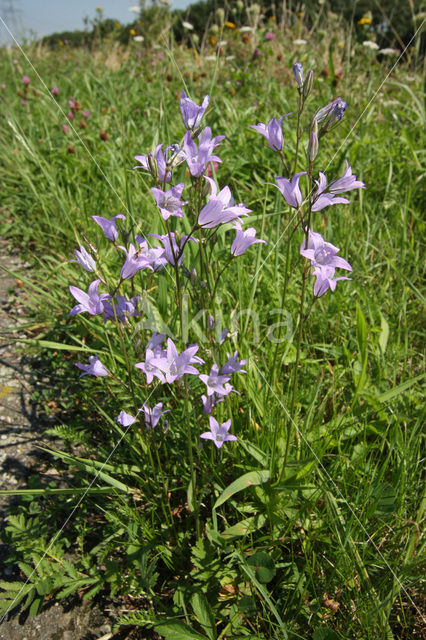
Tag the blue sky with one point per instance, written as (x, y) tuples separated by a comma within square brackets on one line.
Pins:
[(47, 16)]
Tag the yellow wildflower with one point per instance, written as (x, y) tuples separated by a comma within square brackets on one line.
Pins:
[(132, 32), (362, 21), (212, 41), (230, 25)]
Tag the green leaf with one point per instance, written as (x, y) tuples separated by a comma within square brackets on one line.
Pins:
[(36, 606), (247, 480), (176, 630), (190, 495), (204, 614), (396, 391), (263, 565), (254, 451), (245, 526), (384, 333)]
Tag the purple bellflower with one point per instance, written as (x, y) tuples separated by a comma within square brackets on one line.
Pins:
[(216, 383), (92, 302), (191, 112), (123, 308), (125, 419), (325, 261), (233, 365), (218, 432), (152, 416), (108, 226), (298, 74), (325, 280), (94, 368), (322, 253), (326, 195), (329, 116), (172, 251), (175, 365), (156, 164), (135, 261), (243, 239), (197, 159), (149, 367), (272, 132), (209, 402), (290, 189), (169, 202), (220, 207), (155, 255), (84, 259)]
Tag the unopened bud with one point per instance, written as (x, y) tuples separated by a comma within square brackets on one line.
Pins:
[(153, 166), (240, 5), (193, 276), (307, 85), (220, 15), (329, 116), (313, 143), (213, 239), (298, 73)]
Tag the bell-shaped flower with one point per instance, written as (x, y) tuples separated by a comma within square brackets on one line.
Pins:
[(149, 367), (92, 302), (325, 195), (290, 189), (272, 132), (243, 239), (134, 262), (330, 115), (121, 309), (108, 225), (325, 280), (125, 419), (94, 368), (169, 202), (172, 250), (191, 112), (322, 253), (197, 158), (220, 207), (84, 259), (218, 432), (174, 365), (216, 383), (152, 416), (156, 164), (233, 365)]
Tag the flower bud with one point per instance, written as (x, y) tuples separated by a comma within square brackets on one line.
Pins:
[(313, 143), (193, 276), (307, 85), (153, 166), (298, 73), (329, 116), (220, 15)]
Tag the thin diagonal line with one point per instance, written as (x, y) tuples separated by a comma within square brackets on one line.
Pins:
[(343, 142), (55, 537), (370, 538)]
